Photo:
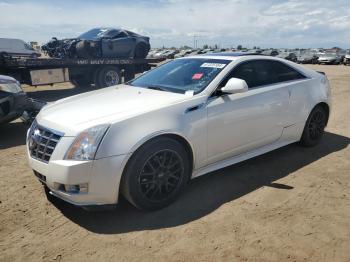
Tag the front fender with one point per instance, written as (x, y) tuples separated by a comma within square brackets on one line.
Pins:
[(127, 136)]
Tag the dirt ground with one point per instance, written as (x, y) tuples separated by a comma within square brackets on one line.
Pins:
[(292, 204)]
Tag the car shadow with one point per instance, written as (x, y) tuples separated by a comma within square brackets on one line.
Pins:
[(13, 134), (207, 193)]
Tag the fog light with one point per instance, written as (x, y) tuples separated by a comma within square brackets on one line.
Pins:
[(74, 189), (84, 188)]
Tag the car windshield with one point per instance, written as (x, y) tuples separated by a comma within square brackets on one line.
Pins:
[(94, 34), (181, 75)]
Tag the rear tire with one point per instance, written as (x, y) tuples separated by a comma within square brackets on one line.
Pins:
[(314, 127), (156, 174), (107, 76)]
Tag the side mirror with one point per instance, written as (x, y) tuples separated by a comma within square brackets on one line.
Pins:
[(235, 85)]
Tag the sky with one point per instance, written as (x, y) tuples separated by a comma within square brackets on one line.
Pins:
[(228, 23)]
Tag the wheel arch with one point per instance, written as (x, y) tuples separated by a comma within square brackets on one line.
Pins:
[(173, 135)]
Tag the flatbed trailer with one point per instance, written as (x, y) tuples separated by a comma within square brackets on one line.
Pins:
[(100, 72)]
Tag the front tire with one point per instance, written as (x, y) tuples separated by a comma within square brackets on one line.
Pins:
[(156, 174), (314, 127)]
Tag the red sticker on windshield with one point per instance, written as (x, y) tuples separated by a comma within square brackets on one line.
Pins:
[(197, 76)]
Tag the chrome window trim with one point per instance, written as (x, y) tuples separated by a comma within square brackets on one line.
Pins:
[(262, 86)]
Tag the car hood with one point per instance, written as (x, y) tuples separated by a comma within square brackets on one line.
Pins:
[(109, 105)]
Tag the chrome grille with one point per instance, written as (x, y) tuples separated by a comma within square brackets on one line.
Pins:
[(42, 142)]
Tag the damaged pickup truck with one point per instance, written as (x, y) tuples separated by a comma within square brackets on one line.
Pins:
[(15, 103), (100, 43)]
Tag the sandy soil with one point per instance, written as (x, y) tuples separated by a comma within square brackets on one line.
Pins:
[(292, 204)]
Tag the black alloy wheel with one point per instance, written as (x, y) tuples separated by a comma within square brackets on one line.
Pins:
[(161, 175), (314, 127), (156, 174)]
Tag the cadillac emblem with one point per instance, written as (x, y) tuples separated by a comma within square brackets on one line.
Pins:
[(34, 139)]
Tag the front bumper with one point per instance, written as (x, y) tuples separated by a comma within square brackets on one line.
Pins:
[(102, 177), (327, 61)]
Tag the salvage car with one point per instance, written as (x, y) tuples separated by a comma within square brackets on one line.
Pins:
[(100, 43), (288, 55), (183, 53), (14, 103), (147, 138), (346, 60), (329, 59), (307, 57), (16, 48)]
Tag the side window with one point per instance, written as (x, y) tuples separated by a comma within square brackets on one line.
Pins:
[(255, 73), (245, 71), (121, 34), (111, 33), (285, 73), (263, 72)]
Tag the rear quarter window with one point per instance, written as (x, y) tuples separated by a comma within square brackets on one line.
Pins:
[(285, 73)]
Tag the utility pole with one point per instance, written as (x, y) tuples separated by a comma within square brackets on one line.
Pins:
[(195, 40)]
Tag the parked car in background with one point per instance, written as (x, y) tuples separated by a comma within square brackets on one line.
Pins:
[(329, 58), (307, 57), (168, 54), (346, 60), (14, 102), (152, 52), (270, 52), (254, 51), (103, 42), (16, 48), (183, 53), (146, 139), (288, 56)]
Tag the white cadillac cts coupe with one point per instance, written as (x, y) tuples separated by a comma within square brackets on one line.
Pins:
[(147, 138)]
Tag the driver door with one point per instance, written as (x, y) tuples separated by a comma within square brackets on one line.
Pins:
[(119, 45), (238, 123)]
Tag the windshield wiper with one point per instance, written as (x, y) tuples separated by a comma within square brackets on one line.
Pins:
[(154, 87)]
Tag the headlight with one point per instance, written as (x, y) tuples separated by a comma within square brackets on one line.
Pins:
[(11, 87), (86, 143)]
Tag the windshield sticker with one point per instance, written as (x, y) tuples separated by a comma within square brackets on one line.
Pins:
[(197, 76), (213, 65)]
